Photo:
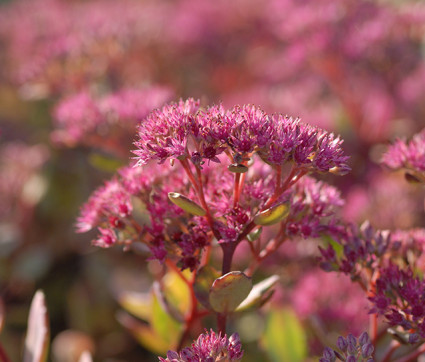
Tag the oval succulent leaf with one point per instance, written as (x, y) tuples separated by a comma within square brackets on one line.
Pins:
[(204, 279), (259, 294), (228, 291), (237, 168), (273, 215), (186, 204)]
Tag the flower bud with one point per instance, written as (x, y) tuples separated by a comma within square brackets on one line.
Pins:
[(351, 340), (273, 215), (186, 204), (340, 171), (364, 338), (413, 338), (342, 343), (329, 354), (367, 350)]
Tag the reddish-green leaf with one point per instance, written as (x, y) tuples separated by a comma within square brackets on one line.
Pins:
[(228, 291)]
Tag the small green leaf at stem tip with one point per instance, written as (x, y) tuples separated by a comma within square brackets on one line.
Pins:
[(186, 204), (228, 291), (237, 168), (273, 215), (255, 234)]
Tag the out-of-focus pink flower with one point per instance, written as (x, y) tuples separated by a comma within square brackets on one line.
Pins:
[(407, 155), (333, 299), (82, 116)]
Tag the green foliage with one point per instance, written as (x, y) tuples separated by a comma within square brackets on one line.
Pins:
[(228, 291), (284, 338)]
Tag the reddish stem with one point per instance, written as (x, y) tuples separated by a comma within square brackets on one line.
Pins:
[(221, 323), (269, 249), (412, 357), (373, 320), (393, 347), (3, 355), (198, 186), (236, 190)]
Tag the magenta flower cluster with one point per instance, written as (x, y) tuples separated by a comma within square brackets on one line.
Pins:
[(82, 115), (209, 347), (409, 156), (363, 249), (184, 130), (400, 297)]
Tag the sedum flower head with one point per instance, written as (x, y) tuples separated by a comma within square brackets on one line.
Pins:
[(82, 115), (400, 297), (184, 130), (408, 155), (363, 248), (209, 347), (350, 349), (134, 206)]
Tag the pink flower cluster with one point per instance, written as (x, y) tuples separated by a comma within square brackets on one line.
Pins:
[(184, 130), (205, 137), (409, 156), (400, 297), (363, 249), (82, 115), (209, 347)]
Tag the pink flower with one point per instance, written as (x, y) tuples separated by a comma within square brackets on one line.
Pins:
[(209, 347), (183, 130)]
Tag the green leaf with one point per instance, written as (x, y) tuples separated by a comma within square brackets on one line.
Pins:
[(138, 304), (104, 163), (273, 215), (339, 249), (284, 337), (255, 234), (176, 291), (166, 327), (228, 291), (204, 279), (37, 339), (259, 294), (186, 204), (143, 333)]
